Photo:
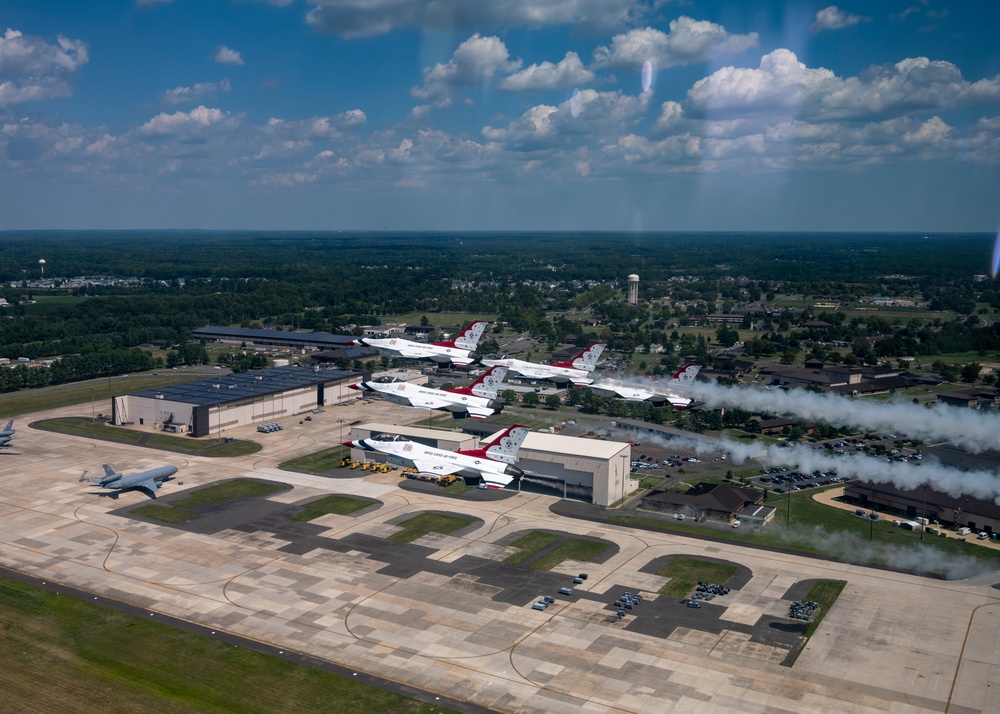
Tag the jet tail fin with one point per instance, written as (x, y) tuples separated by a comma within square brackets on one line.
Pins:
[(10, 426), (467, 339), (487, 385), (504, 447), (585, 360), (108, 471), (685, 375)]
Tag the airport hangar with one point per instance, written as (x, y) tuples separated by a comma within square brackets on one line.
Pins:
[(593, 468), (233, 400)]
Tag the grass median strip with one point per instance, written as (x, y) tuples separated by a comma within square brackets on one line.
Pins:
[(63, 654), (97, 429), (529, 544), (575, 549), (424, 523), (226, 491), (686, 573), (163, 513), (340, 505)]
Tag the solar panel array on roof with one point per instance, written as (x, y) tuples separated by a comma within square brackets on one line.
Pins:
[(317, 339), (245, 385)]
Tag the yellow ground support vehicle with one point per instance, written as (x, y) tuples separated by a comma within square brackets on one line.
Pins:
[(447, 480)]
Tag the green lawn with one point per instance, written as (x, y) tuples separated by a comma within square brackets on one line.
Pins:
[(575, 549), (529, 544), (84, 426), (825, 592), (318, 462), (65, 655), (163, 513), (424, 523), (686, 573), (341, 505), (651, 481), (228, 490)]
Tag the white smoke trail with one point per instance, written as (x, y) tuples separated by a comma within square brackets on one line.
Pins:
[(970, 429), (983, 485)]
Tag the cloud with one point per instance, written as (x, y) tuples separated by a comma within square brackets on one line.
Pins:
[(783, 84), (32, 69), (186, 126), (568, 73), (689, 41), (364, 18), (476, 60), (183, 95), (833, 18), (224, 55), (150, 4)]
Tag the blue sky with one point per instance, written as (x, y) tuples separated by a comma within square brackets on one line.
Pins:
[(500, 115)]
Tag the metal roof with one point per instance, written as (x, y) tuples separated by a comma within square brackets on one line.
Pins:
[(319, 339), (246, 385), (541, 442)]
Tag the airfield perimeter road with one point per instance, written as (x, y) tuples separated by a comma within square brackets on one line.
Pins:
[(431, 615)]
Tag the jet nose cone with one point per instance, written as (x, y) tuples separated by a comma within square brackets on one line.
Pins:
[(355, 386), (348, 443)]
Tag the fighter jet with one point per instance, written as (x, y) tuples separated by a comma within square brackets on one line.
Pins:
[(494, 464), (577, 370), (146, 481), (458, 351), (669, 394), (478, 400)]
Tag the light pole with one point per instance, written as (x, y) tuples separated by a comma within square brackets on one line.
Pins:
[(923, 513), (341, 422)]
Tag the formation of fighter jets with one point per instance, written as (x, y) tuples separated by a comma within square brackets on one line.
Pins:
[(478, 400), (494, 464)]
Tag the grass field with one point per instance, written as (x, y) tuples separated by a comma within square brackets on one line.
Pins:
[(686, 573), (341, 505), (95, 393), (529, 544), (319, 462), (575, 549), (64, 655), (84, 426), (222, 492), (424, 523), (818, 529), (825, 592), (165, 514)]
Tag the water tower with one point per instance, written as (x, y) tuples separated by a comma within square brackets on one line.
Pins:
[(633, 289), (41, 264)]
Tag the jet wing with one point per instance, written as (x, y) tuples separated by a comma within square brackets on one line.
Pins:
[(435, 468), (479, 412), (496, 480)]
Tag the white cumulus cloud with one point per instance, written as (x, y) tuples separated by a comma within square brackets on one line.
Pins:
[(568, 72), (183, 95), (833, 18), (476, 60), (689, 41), (32, 69), (184, 124), (225, 55)]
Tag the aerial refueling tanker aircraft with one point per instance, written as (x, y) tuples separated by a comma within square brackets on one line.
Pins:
[(577, 370), (146, 481), (460, 351), (672, 392), (6, 433), (478, 400), (494, 463)]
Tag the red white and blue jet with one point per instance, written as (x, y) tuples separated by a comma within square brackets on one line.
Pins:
[(460, 351), (577, 370), (671, 392), (478, 400)]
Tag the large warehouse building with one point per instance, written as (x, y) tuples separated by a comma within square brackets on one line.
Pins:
[(214, 405), (592, 469)]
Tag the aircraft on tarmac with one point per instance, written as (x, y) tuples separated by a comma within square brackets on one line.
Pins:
[(577, 370), (460, 350), (478, 400), (6, 433), (146, 481), (494, 463), (681, 378)]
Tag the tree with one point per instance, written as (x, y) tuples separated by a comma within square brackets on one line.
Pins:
[(509, 396), (553, 402), (531, 399), (970, 372)]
